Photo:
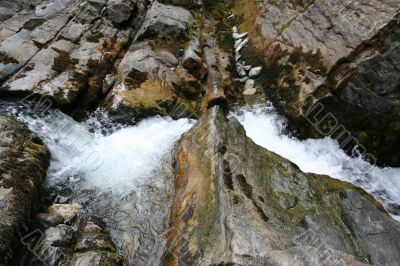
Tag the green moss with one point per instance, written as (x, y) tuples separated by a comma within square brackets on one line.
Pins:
[(146, 103), (326, 184), (298, 212), (189, 31)]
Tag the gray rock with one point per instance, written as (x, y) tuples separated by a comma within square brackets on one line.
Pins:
[(249, 206), (52, 9), (237, 43), (235, 30), (33, 22), (5, 13), (371, 229), (109, 81), (164, 21), (88, 13), (74, 31), (23, 165), (240, 70), (144, 76), (119, 11), (40, 69), (91, 245), (238, 36), (16, 22), (54, 245), (255, 72), (141, 58), (347, 57), (192, 60), (249, 87), (94, 245), (98, 4), (48, 30), (241, 45), (243, 80), (237, 56), (217, 70), (247, 68), (13, 57), (185, 3), (60, 213)]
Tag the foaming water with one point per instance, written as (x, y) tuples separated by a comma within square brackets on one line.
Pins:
[(122, 174), (321, 156), (112, 161)]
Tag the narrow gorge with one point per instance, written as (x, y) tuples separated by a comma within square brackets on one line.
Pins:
[(199, 132)]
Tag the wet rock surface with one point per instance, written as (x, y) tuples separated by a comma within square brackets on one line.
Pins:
[(342, 56), (233, 202), (239, 204), (23, 164), (89, 244)]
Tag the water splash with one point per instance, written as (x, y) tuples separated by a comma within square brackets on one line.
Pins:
[(114, 161), (321, 156), (122, 174)]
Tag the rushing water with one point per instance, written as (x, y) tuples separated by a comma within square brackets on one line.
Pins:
[(123, 174), (321, 156)]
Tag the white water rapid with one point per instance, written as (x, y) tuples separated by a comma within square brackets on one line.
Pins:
[(124, 176), (321, 156)]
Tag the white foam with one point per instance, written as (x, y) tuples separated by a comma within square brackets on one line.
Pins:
[(117, 161), (320, 156)]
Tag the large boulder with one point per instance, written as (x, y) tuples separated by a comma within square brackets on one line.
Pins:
[(65, 50), (239, 204), (23, 165), (120, 11), (146, 84), (339, 56), (166, 22)]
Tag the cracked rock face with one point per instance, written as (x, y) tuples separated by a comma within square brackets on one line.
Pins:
[(239, 204), (235, 203), (23, 165), (164, 21), (65, 49), (343, 55), (91, 244)]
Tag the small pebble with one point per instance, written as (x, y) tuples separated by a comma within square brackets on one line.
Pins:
[(242, 72), (243, 80), (255, 71), (242, 44), (248, 68), (235, 30), (237, 43), (237, 56), (249, 87), (239, 36)]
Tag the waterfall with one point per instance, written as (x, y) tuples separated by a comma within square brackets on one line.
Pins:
[(122, 174), (321, 156)]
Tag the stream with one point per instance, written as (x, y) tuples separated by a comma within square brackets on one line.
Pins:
[(124, 174)]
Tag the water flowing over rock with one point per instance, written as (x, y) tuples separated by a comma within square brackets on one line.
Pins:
[(237, 203), (342, 55), (153, 112), (23, 164)]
